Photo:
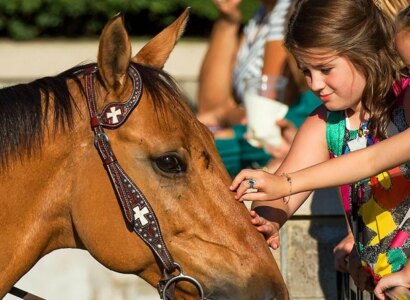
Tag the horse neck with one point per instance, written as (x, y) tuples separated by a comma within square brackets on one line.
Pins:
[(35, 194)]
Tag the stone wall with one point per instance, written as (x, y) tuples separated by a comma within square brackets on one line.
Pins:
[(306, 253), (305, 256), (25, 61)]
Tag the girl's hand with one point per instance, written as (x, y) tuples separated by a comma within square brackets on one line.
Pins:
[(342, 251), (362, 279), (395, 285), (258, 185), (268, 229)]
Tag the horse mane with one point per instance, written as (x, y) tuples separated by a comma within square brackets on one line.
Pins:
[(24, 108)]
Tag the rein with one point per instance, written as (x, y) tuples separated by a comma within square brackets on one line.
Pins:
[(136, 208), (23, 294)]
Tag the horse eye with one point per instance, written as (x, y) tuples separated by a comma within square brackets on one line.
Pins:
[(170, 163)]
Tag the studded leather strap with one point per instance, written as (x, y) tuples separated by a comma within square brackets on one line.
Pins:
[(135, 206)]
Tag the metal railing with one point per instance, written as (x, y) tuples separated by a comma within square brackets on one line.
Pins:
[(347, 290)]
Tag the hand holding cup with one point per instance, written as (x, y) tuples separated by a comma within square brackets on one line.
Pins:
[(264, 106)]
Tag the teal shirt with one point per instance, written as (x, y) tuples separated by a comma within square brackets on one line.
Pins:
[(301, 109)]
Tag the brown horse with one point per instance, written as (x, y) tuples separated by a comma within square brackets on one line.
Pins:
[(55, 191)]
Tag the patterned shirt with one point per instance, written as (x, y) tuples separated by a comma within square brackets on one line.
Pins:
[(262, 28), (378, 207)]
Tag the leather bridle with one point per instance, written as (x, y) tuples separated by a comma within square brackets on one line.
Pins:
[(136, 208)]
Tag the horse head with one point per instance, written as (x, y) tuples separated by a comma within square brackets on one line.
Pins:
[(158, 148)]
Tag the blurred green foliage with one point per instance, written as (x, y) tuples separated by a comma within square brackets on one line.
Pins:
[(28, 19)]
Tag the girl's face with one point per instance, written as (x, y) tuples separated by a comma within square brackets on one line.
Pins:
[(403, 46), (333, 79)]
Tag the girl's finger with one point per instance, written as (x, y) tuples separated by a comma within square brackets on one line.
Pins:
[(242, 175), (253, 197), (244, 187), (264, 229), (274, 245), (257, 221), (253, 214), (274, 242)]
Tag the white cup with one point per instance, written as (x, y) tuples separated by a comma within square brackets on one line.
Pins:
[(264, 106)]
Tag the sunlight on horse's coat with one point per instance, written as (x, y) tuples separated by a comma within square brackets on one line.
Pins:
[(56, 193)]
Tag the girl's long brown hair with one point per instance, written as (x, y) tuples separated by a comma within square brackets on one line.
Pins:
[(359, 31)]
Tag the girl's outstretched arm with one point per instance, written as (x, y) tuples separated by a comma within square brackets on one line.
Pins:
[(355, 165), (308, 148), (342, 170)]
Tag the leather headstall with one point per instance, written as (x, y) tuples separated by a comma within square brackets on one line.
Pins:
[(135, 206)]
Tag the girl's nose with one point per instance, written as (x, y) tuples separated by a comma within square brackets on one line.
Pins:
[(316, 83)]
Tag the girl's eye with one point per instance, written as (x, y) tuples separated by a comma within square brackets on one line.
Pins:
[(325, 70), (305, 72)]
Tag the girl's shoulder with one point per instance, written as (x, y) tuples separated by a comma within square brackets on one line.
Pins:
[(310, 141), (316, 121)]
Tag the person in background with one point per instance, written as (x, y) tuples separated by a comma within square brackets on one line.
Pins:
[(391, 8), (366, 99), (402, 41), (235, 56)]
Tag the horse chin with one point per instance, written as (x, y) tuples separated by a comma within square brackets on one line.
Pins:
[(222, 287), (219, 286), (252, 290)]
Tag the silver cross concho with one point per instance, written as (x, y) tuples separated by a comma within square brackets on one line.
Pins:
[(113, 114), (140, 215)]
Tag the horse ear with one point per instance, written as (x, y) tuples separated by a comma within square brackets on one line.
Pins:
[(114, 54), (157, 50)]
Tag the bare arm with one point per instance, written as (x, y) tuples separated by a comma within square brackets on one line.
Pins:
[(216, 71), (308, 148), (274, 58), (355, 165), (342, 170), (358, 164)]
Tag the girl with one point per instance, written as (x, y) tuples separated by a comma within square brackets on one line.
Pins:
[(345, 48)]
